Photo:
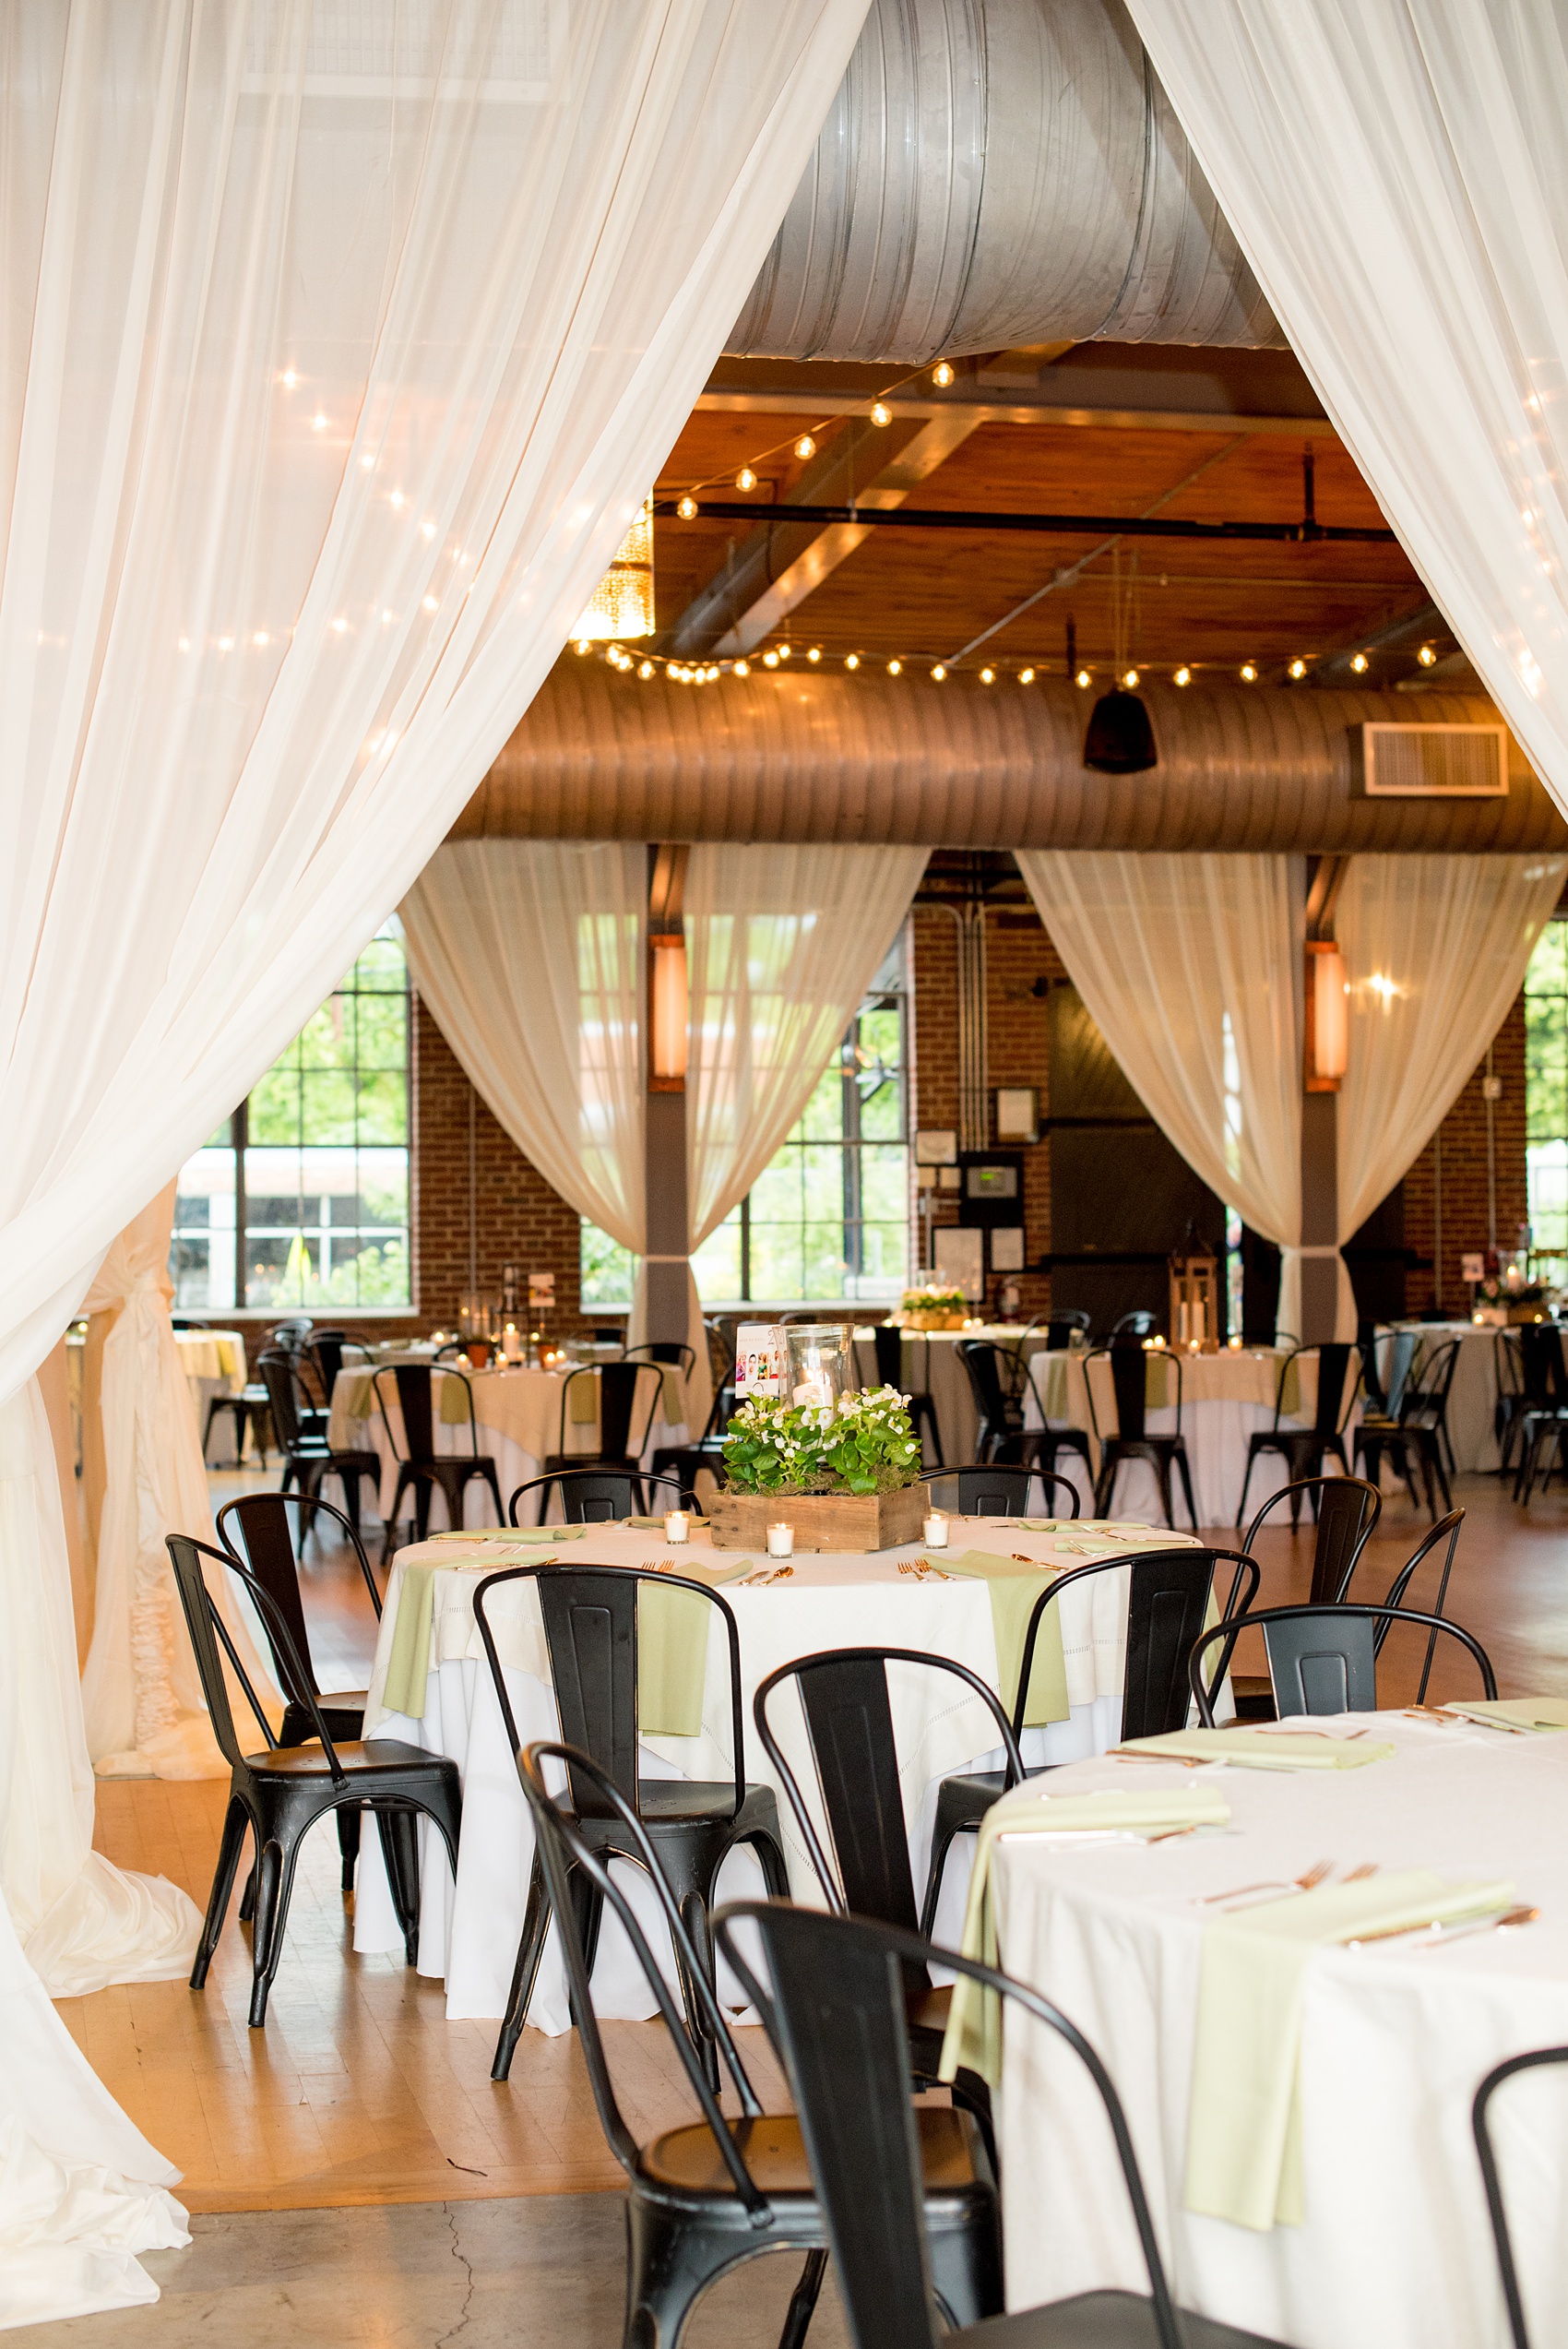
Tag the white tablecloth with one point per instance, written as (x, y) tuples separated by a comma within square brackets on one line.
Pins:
[(214, 1364), (469, 1931), (1395, 2252), (931, 1363), (517, 1413)]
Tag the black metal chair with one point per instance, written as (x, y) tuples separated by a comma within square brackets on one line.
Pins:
[(421, 1467), (1324, 1660), (1129, 1378), (1382, 1433), (252, 1414), (1481, 2124), (848, 1720), (1426, 1398), (685, 1460), (705, 2197), (273, 1529), (1508, 1411), (308, 1458), (1303, 1449), (280, 1792), (1044, 1445), (590, 1627), (604, 1495), (1544, 1409), (998, 1491), (889, 1346), (831, 2006), (1345, 1514), (1167, 1603), (1060, 1328), (1134, 1326), (327, 1350), (997, 1378), (619, 1447)]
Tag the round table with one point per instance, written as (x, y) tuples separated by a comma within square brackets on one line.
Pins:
[(517, 1414), (1393, 2249), (468, 1930)]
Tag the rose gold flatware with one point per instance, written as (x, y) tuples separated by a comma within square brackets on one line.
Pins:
[(1305, 1882), (1430, 1931)]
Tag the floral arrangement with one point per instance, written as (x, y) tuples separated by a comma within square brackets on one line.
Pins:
[(863, 1443), (934, 1298)]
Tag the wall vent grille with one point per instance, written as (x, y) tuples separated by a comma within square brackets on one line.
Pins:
[(1435, 762)]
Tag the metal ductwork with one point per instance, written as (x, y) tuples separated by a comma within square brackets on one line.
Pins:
[(996, 173), (800, 755)]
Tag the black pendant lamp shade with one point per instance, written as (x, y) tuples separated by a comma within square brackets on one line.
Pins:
[(1120, 740)]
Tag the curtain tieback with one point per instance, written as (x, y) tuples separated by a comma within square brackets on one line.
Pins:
[(1318, 1252), (668, 1260)]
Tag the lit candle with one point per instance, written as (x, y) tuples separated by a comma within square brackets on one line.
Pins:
[(935, 1530), (511, 1342), (780, 1540), (675, 1523)]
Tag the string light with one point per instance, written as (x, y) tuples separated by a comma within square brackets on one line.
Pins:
[(1130, 681), (743, 668), (396, 501), (746, 478), (1183, 676), (880, 412), (814, 655), (1298, 669), (430, 603), (987, 676), (852, 660), (1358, 663), (805, 446), (1026, 676), (942, 374), (1426, 656), (1249, 673), (783, 651), (687, 510), (770, 660), (646, 670), (289, 380), (318, 423), (894, 668), (938, 673), (1083, 678)]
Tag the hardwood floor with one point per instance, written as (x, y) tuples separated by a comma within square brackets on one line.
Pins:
[(360, 2091)]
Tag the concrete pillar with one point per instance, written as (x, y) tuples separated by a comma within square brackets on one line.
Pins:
[(664, 1126), (1320, 1217)]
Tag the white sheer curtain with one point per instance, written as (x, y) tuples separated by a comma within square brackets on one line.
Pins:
[(141, 1695), (528, 954), (1189, 967), (339, 342), (782, 944), (1435, 949), (1396, 174)]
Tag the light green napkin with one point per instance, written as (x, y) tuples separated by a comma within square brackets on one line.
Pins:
[(1519, 1713), (1243, 2130), (516, 1534), (1013, 1588), (672, 1628), (974, 2019), (408, 1666), (583, 1401), (1262, 1749), (359, 1399), (453, 1399)]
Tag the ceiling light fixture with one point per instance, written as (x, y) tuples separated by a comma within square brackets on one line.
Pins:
[(1083, 678), (1358, 663), (1298, 669), (880, 412), (894, 668), (987, 676), (938, 673), (1249, 673), (815, 653), (746, 478), (1426, 656), (1026, 676), (852, 660), (805, 446), (687, 508), (942, 374), (1183, 676), (289, 380), (1120, 740), (318, 423)]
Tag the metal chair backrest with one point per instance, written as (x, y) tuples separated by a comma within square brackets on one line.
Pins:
[(1390, 1395), (1348, 1509), (1428, 1400), (211, 1642), (560, 1850), (272, 1528), (1062, 1327), (415, 1383), (1540, 1356), (889, 1346), (1333, 1367), (617, 1383), (1129, 1380), (1481, 2124), (1510, 1367), (1134, 1326), (590, 1628), (1323, 1659), (848, 1720), (1167, 1604), (603, 1496), (996, 1377), (665, 1351), (999, 1492), (833, 2007), (283, 1383), (326, 1351)]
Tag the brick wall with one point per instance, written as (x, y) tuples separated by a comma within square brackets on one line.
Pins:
[(1462, 1140)]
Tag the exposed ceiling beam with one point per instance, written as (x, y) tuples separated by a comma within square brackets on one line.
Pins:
[(941, 517), (1013, 412)]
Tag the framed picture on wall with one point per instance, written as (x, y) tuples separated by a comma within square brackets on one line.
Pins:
[(936, 1146), (1017, 1114), (1007, 1248), (960, 1257)]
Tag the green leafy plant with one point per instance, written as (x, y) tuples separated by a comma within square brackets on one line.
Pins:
[(863, 1444), (934, 1298)]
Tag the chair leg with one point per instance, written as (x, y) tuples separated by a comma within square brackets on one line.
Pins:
[(693, 1916), (1246, 1481), (671, 2261), (400, 1844), (348, 1843), (1162, 1472), (389, 1533), (275, 1881), (803, 2301), (494, 1482), (1104, 1485), (236, 1819), (531, 1950), (247, 1897), (941, 1844), (965, 2273), (207, 1431)]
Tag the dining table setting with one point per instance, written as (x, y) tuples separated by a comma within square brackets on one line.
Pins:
[(1297, 1948), (968, 1602)]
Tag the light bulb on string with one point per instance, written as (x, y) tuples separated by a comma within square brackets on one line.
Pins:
[(1298, 670), (1426, 656), (880, 412), (743, 668), (746, 478), (852, 660), (806, 446), (1183, 676), (770, 659), (1130, 681), (894, 668), (938, 673), (646, 670), (1358, 663), (987, 676), (1249, 673), (583, 645), (1026, 676), (814, 655), (1083, 678), (687, 508), (782, 651), (942, 374)]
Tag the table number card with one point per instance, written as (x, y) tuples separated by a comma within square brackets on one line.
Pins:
[(759, 1360)]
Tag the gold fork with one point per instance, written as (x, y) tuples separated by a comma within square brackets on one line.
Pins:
[(1305, 1882)]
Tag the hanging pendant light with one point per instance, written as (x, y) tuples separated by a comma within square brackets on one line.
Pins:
[(1120, 740)]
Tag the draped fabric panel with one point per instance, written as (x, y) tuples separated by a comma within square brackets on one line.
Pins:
[(1395, 173), (529, 956), (141, 1695), (1188, 966), (1435, 950), (782, 944), (339, 342)]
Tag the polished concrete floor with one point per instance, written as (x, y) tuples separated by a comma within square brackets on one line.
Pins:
[(545, 2271)]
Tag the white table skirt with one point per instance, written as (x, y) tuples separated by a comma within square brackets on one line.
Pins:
[(1394, 2251), (469, 1931)]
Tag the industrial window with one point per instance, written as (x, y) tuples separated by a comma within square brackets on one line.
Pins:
[(1546, 1098)]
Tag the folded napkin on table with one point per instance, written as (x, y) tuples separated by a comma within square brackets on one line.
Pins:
[(583, 1401), (1261, 1749), (359, 1399), (1243, 2129), (1013, 1588), (516, 1534), (454, 1396), (1517, 1713), (974, 2018)]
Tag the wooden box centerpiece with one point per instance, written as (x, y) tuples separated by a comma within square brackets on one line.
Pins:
[(936, 1305), (844, 1474)]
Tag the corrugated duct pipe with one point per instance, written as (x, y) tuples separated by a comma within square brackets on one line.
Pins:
[(996, 173), (800, 755)]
